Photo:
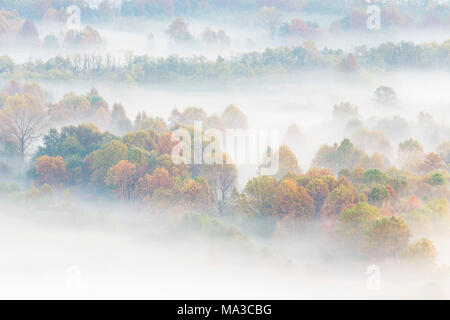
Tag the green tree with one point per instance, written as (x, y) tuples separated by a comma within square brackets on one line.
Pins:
[(387, 238)]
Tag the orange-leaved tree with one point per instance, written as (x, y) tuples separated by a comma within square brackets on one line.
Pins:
[(122, 177), (50, 170)]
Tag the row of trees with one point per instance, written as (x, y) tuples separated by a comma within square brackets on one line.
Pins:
[(281, 60), (370, 212), (15, 30)]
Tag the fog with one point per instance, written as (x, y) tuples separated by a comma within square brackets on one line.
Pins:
[(93, 205), (115, 258)]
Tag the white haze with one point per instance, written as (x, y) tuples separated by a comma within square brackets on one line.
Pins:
[(119, 259)]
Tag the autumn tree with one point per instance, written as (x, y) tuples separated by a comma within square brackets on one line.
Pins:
[(122, 177), (410, 154), (387, 238), (337, 157), (290, 199), (421, 253), (287, 162), (166, 143), (50, 170), (180, 170), (100, 161), (299, 28), (318, 190), (354, 223), (23, 121), (196, 194), (258, 196), (338, 200), (146, 185), (432, 162)]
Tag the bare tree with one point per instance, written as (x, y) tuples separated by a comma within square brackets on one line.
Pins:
[(222, 177), (270, 19), (22, 122)]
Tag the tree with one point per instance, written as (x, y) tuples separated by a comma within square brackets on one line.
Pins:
[(149, 183), (337, 157), (374, 176), (432, 162), (344, 112), (270, 19), (144, 160), (378, 194), (166, 143), (209, 36), (22, 122), (50, 170), (421, 253), (437, 179), (178, 30), (100, 161), (119, 122), (318, 190), (258, 196), (354, 223), (290, 199), (141, 139), (223, 179), (385, 95), (337, 201), (196, 194), (122, 177), (234, 118), (410, 154), (350, 64), (299, 28), (190, 115), (387, 238), (287, 162), (155, 124)]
